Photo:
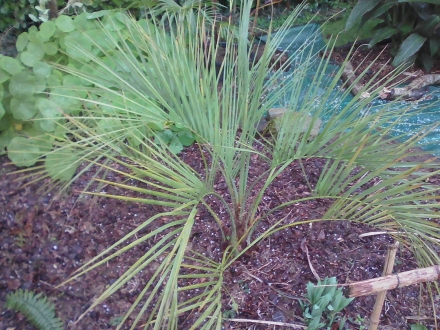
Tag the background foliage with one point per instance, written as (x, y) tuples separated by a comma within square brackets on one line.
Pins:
[(413, 26), (15, 13)]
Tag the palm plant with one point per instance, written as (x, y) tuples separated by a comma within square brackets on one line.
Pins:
[(153, 79)]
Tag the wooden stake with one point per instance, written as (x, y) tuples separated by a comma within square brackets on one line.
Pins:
[(380, 298), (389, 282)]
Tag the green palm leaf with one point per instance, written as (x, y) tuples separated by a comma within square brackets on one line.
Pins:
[(151, 75)]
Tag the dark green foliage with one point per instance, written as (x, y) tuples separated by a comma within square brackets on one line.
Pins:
[(95, 5), (329, 3), (36, 308), (16, 13), (413, 26)]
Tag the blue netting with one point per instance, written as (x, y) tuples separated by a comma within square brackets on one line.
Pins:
[(425, 114)]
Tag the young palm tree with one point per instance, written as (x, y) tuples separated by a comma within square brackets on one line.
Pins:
[(148, 77)]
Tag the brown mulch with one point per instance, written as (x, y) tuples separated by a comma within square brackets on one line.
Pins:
[(44, 238)]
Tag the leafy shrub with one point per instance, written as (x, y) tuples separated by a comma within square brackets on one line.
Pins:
[(414, 27), (31, 90), (36, 308), (16, 13)]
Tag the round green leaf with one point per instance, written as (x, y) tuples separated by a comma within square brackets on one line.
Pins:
[(74, 84), (164, 136), (83, 24), (23, 108), (111, 23), (2, 111), (22, 83), (3, 75), (47, 29), (64, 98), (42, 69), (53, 81), (22, 41), (86, 68), (155, 126), (28, 59), (48, 109), (36, 49), (103, 39), (71, 81), (41, 37), (135, 137), (50, 48), (10, 65), (34, 35), (186, 138), (40, 84), (46, 125), (74, 64), (6, 122), (108, 126), (59, 164), (5, 138), (78, 46), (175, 145), (64, 23), (22, 152), (61, 42)]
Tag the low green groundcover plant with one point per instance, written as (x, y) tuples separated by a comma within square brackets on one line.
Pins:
[(324, 301), (36, 308), (120, 80), (33, 92)]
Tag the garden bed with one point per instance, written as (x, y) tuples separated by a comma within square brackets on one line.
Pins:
[(44, 239)]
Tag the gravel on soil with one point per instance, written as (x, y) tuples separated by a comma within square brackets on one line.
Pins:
[(44, 238)]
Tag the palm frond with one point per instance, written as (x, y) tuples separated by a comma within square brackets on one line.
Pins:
[(145, 76)]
